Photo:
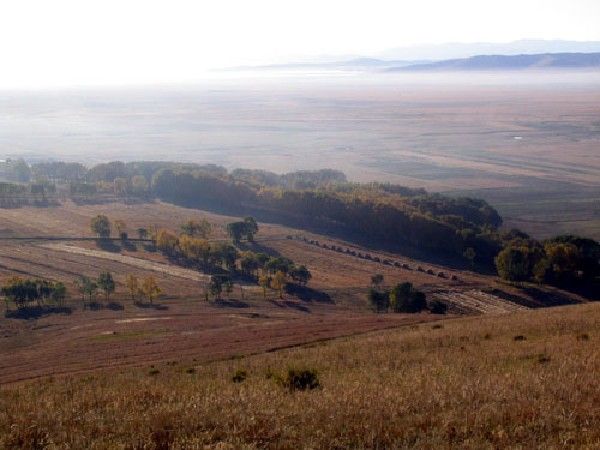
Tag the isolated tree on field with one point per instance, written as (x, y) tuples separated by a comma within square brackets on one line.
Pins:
[(216, 286), (90, 287), (470, 254), (133, 285), (236, 230), (378, 300), (405, 298), (250, 228), (196, 229), (150, 289), (301, 275), (279, 281), (142, 233), (101, 226), (377, 280), (264, 281), (106, 283)]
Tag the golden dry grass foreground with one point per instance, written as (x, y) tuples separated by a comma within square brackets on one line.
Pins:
[(528, 379)]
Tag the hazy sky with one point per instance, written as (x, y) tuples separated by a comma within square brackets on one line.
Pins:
[(67, 42)]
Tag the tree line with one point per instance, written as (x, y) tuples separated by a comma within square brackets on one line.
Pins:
[(25, 292), (567, 261), (464, 228)]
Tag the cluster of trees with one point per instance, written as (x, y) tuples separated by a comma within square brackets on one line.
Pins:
[(24, 292), (102, 227), (89, 287), (197, 251), (565, 261), (401, 298), (273, 272), (146, 288), (246, 228), (223, 260), (388, 213)]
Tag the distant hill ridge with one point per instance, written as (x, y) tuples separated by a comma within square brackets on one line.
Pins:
[(510, 62)]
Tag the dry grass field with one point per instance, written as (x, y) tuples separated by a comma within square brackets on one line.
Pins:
[(523, 380), (181, 324)]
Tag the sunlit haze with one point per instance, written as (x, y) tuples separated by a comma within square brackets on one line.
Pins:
[(74, 42)]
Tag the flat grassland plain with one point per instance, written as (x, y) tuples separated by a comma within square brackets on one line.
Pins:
[(527, 142)]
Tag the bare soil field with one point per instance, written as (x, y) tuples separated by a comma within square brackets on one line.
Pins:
[(181, 324)]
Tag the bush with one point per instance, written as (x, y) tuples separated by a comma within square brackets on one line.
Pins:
[(438, 307), (239, 376), (404, 298), (301, 380)]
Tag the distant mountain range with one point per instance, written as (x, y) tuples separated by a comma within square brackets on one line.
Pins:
[(523, 54), (509, 62), (438, 52), (350, 64)]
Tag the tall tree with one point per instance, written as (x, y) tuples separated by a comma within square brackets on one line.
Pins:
[(133, 285), (197, 228), (150, 288), (250, 228), (278, 282), (263, 281), (236, 231), (100, 225), (142, 233), (216, 286), (106, 283), (301, 275)]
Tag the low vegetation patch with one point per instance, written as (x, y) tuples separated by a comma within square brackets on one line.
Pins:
[(300, 380), (239, 376)]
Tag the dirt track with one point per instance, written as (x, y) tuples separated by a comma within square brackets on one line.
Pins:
[(131, 261)]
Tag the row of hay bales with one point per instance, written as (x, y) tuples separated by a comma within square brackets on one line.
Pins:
[(369, 257)]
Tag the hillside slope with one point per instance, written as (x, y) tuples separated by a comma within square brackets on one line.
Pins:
[(526, 380)]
